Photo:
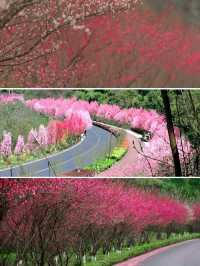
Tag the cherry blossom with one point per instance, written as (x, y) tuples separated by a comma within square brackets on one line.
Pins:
[(76, 210)]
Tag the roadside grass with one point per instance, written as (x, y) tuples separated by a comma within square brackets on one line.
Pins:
[(127, 253), (110, 159), (18, 119), (103, 164)]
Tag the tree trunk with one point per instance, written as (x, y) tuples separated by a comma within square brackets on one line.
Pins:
[(170, 128)]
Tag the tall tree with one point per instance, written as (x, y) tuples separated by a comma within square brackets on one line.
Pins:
[(170, 129)]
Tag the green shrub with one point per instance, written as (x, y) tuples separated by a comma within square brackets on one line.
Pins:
[(105, 163), (117, 153)]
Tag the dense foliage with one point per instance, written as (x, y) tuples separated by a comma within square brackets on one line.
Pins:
[(125, 98), (185, 189)]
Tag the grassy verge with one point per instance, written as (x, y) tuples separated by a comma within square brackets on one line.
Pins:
[(110, 159), (119, 256), (103, 164), (18, 119)]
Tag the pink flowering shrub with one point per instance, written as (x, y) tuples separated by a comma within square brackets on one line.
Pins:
[(53, 131), (75, 113), (76, 122), (6, 145), (56, 131), (20, 145)]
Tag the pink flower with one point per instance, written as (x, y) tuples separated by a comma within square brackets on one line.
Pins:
[(9, 98), (6, 145), (52, 132), (77, 121), (20, 146)]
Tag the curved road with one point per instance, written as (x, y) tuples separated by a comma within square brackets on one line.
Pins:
[(97, 143), (182, 254), (185, 254)]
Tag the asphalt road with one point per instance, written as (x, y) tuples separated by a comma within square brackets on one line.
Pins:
[(184, 254), (97, 143)]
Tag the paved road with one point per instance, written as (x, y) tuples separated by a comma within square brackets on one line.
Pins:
[(185, 254), (97, 143)]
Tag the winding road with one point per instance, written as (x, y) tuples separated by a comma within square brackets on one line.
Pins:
[(96, 144), (182, 254)]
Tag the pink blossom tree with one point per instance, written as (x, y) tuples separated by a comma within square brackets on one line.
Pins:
[(49, 216)]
